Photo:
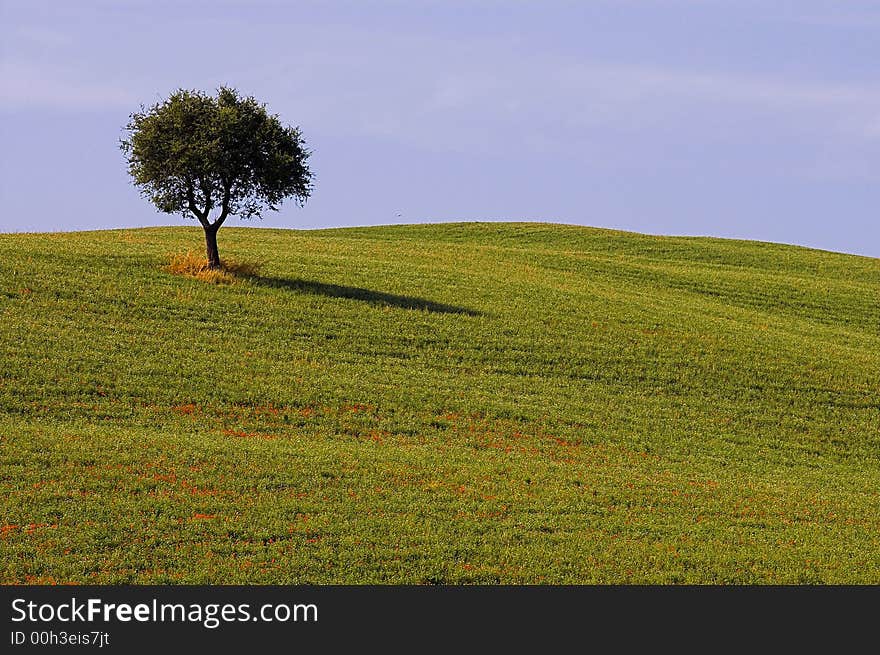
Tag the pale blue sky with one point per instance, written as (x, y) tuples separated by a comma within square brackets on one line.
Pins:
[(734, 118)]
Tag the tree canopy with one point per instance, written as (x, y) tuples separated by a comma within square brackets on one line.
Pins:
[(208, 157)]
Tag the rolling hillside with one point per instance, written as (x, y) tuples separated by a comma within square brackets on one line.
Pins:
[(456, 403)]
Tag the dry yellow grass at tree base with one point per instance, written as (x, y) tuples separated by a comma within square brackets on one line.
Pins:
[(195, 265)]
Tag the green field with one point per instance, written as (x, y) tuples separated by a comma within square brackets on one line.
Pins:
[(453, 404)]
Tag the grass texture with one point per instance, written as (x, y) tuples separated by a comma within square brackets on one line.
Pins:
[(452, 404)]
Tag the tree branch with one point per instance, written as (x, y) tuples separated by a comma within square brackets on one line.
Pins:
[(191, 199), (224, 208), (206, 192)]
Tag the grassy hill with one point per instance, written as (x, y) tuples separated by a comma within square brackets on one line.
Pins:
[(459, 403)]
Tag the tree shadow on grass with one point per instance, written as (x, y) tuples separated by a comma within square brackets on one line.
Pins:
[(370, 296)]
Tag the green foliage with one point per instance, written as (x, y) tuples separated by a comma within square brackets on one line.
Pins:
[(463, 403), (193, 153)]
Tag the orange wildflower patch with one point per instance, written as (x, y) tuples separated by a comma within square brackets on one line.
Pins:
[(358, 408), (378, 435), (35, 526), (266, 410), (187, 409), (7, 528), (198, 491), (204, 516)]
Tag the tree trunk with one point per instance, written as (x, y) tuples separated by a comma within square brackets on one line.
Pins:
[(211, 247)]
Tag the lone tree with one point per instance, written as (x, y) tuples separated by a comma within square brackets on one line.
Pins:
[(194, 154)]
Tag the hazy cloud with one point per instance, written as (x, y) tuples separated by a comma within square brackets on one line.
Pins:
[(451, 94), (24, 85)]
